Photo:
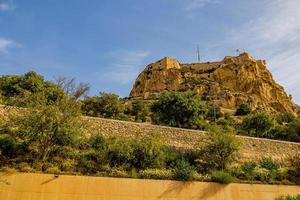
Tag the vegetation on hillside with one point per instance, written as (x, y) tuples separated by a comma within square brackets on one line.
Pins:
[(49, 136), (177, 109)]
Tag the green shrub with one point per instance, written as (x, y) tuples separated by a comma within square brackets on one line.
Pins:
[(120, 152), (294, 130), (219, 151), (243, 109), (222, 177), (235, 170), (87, 162), (106, 105), (289, 197), (68, 165), (262, 174), (48, 126), (148, 152), (178, 109), (257, 124), (248, 169), (294, 168), (283, 118), (140, 110), (224, 122), (29, 89), (183, 171), (282, 173), (118, 172), (269, 164), (156, 174), (9, 147), (279, 132)]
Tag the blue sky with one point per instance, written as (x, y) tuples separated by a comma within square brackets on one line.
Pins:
[(108, 42)]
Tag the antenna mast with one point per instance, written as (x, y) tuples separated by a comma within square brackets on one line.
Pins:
[(198, 54)]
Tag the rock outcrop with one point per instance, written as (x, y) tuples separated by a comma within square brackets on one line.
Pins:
[(230, 82)]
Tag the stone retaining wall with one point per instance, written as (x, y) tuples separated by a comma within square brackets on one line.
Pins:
[(251, 148)]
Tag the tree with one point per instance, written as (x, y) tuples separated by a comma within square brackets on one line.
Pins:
[(105, 105), (243, 109), (178, 109), (45, 127), (29, 89), (294, 130), (257, 124), (140, 110), (219, 150)]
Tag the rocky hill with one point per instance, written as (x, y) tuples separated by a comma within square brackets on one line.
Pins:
[(228, 83)]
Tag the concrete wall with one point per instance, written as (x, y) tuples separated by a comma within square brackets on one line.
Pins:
[(47, 187)]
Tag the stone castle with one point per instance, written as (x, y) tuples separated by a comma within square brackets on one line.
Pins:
[(233, 81)]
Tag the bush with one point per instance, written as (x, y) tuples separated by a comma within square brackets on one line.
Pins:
[(178, 109), (120, 153), (243, 109), (29, 90), (148, 152), (294, 168), (140, 110), (235, 170), (47, 127), (9, 147), (262, 174), (249, 170), (155, 174), (279, 132), (294, 130), (105, 105), (222, 177), (269, 164), (257, 124), (118, 172), (283, 118), (183, 171), (289, 197), (220, 150)]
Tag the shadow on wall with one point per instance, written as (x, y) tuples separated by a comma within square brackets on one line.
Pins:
[(175, 189)]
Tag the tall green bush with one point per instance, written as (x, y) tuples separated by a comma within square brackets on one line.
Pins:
[(106, 105), (47, 126), (257, 124), (219, 151), (178, 109), (294, 130)]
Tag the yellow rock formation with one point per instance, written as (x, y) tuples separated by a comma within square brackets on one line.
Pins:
[(231, 82)]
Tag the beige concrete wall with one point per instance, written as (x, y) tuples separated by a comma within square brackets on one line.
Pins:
[(47, 187)]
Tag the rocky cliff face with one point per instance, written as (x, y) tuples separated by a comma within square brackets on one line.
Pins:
[(230, 82)]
